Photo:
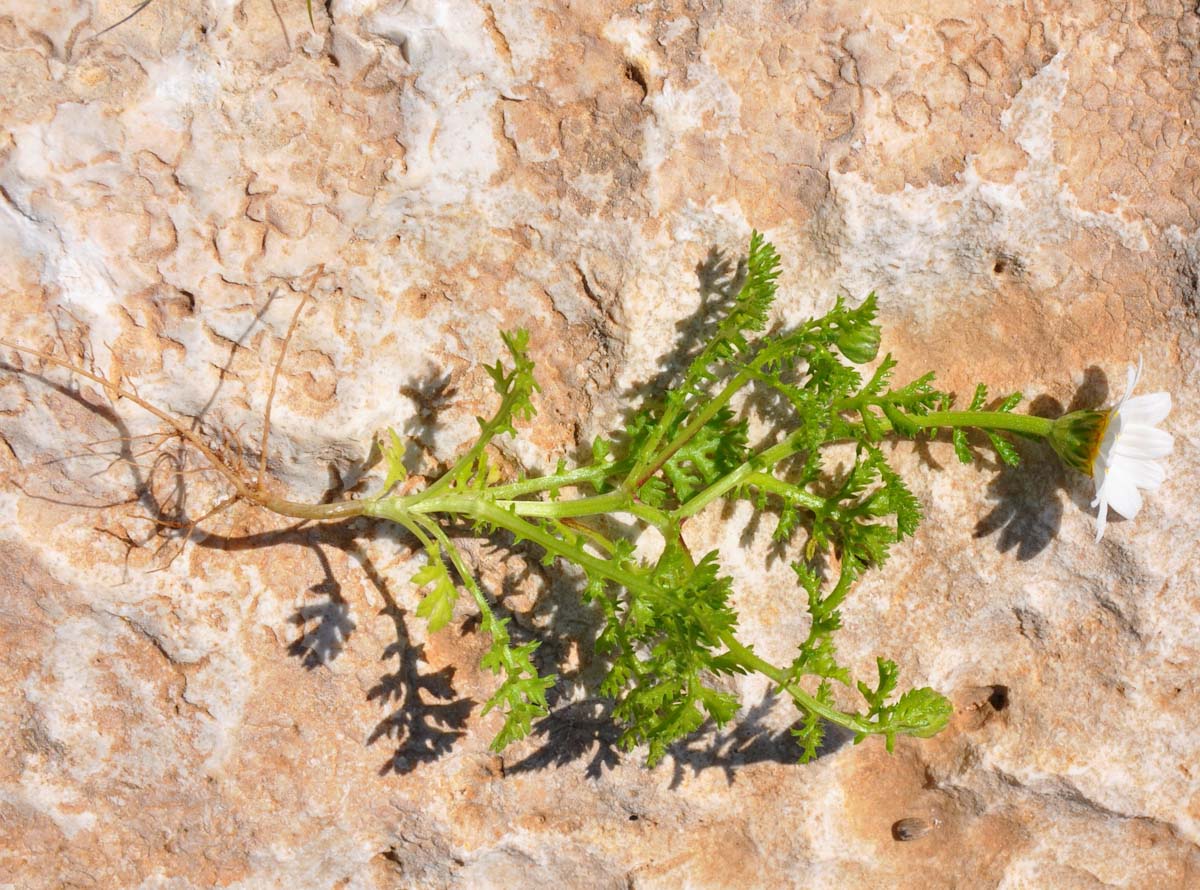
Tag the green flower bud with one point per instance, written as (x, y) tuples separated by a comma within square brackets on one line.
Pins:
[(859, 343), (1076, 438)]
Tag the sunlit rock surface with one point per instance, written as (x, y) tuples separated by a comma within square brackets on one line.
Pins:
[(1021, 186)]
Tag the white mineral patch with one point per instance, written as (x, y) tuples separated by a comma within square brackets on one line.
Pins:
[(61, 804), (703, 100)]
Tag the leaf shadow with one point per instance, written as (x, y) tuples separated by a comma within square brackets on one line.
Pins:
[(425, 716), (718, 281), (751, 739), (431, 394), (584, 730)]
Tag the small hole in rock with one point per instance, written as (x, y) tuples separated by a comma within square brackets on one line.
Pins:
[(910, 829), (1000, 266), (635, 73), (998, 698), (633, 818)]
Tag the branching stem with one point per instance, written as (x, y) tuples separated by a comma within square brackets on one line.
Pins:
[(742, 655)]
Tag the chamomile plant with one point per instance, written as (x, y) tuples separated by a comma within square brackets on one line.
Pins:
[(668, 630)]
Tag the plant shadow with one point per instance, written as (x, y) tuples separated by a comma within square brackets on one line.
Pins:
[(426, 717)]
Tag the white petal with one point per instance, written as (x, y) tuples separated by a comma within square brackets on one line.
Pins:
[(1148, 410), (1102, 516), (1143, 473), (1122, 494), (1132, 376), (1111, 432), (1144, 442)]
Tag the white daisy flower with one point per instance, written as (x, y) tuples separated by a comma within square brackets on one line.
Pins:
[(1119, 448), (1129, 452)]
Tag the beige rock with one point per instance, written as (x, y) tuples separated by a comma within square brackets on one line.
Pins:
[(1021, 186)]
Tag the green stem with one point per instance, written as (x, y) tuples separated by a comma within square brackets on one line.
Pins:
[(787, 491), (618, 501), (316, 512), (582, 530), (415, 527), (590, 475), (610, 502), (656, 517), (486, 433), (493, 515), (984, 420), (460, 566)]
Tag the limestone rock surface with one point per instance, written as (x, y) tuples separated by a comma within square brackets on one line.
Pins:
[(1020, 184)]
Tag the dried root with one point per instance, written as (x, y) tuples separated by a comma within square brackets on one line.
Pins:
[(221, 451)]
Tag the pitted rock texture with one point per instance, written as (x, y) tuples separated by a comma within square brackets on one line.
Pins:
[(1019, 182)]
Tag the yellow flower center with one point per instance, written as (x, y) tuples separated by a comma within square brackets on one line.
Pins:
[(1077, 438), (1097, 439)]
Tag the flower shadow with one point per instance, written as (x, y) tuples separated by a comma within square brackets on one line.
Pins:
[(1027, 512)]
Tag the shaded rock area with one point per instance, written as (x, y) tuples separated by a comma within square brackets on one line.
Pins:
[(1019, 182)]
